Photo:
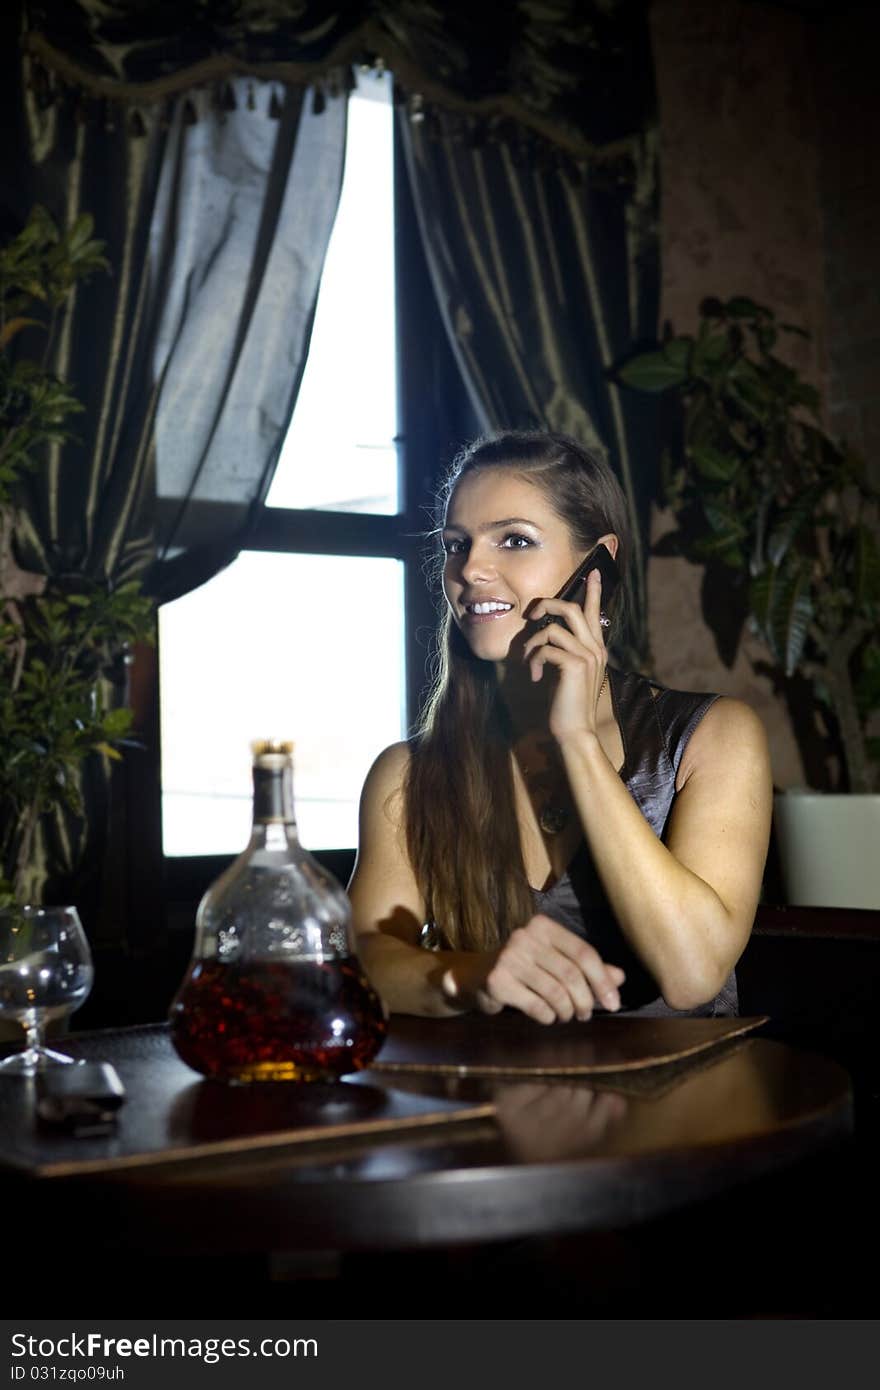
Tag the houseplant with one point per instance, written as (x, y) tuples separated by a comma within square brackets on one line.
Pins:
[(785, 521), (60, 636)]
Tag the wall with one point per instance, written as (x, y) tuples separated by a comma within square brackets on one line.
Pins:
[(848, 102), (765, 168)]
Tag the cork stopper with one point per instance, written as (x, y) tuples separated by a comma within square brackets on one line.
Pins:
[(263, 747)]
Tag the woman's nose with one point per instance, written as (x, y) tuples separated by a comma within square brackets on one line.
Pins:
[(477, 564)]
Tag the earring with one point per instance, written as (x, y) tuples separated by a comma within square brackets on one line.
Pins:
[(604, 620)]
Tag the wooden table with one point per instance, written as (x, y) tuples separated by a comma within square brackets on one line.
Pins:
[(558, 1155)]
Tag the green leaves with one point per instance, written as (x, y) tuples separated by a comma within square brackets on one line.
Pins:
[(38, 272), (56, 698), (789, 524), (757, 485), (59, 652), (117, 723), (782, 604), (742, 308), (656, 371), (43, 263), (713, 348), (715, 465), (725, 539), (14, 326)]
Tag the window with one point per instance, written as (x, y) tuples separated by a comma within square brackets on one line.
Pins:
[(340, 452), (303, 636)]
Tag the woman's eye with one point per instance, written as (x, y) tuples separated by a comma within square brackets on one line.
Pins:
[(515, 540), (453, 545)]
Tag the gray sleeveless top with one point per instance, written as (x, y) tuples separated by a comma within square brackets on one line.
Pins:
[(655, 731)]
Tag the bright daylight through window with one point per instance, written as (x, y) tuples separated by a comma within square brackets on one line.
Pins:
[(279, 645)]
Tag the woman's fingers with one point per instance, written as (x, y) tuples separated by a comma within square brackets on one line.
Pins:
[(558, 645), (504, 988), (593, 603), (574, 620), (537, 987), (603, 980), (551, 975), (562, 661), (566, 988), (565, 652)]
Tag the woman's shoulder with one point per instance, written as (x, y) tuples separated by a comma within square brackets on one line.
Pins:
[(390, 767), (731, 718), (382, 793), (730, 731)]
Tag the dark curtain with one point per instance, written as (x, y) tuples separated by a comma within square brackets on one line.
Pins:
[(187, 358), (243, 217), (546, 276)]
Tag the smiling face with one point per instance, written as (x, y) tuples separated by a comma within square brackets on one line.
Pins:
[(505, 547)]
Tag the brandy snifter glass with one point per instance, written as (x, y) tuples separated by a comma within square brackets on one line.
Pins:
[(45, 973)]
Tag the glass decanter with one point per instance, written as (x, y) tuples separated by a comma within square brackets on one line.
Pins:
[(275, 990)]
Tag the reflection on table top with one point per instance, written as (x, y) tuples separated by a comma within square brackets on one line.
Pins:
[(556, 1155)]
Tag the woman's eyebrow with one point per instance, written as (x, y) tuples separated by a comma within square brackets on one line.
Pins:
[(496, 525)]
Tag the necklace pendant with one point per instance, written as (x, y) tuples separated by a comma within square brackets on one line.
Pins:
[(553, 819)]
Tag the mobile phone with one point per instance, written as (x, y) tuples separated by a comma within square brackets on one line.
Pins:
[(82, 1098), (572, 591)]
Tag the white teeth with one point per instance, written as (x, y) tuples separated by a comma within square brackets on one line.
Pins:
[(491, 607)]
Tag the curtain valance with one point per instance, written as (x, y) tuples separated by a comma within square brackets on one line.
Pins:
[(573, 77)]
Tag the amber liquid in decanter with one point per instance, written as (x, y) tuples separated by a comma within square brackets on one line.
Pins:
[(311, 1021), (275, 990)]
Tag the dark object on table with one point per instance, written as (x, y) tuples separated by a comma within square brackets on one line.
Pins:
[(82, 1099)]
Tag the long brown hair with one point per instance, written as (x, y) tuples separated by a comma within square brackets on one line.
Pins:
[(462, 831)]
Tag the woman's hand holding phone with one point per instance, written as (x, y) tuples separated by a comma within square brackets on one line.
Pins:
[(570, 638)]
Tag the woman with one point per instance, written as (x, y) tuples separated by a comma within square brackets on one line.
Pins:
[(576, 837)]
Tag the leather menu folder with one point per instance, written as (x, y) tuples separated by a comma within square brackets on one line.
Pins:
[(509, 1044)]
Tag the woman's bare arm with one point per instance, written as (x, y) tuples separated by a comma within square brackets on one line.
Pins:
[(686, 905), (387, 906), (543, 969)]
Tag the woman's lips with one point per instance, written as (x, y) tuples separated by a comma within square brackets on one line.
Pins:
[(469, 616)]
